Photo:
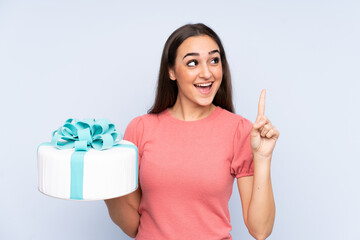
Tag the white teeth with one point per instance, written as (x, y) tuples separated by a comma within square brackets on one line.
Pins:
[(203, 85)]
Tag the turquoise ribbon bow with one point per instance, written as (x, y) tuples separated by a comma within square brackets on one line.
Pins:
[(83, 135)]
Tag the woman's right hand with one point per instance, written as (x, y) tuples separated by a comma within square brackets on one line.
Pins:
[(124, 211)]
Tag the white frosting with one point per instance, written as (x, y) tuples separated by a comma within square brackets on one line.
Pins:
[(107, 174)]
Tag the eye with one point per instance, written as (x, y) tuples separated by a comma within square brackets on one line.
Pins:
[(192, 61), (216, 60)]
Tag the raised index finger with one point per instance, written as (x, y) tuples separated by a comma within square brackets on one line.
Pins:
[(261, 106)]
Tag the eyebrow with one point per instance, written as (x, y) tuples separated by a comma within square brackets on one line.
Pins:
[(197, 54)]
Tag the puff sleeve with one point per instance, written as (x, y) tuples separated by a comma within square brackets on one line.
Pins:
[(242, 162), (134, 133)]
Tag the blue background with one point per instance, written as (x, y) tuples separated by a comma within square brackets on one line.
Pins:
[(100, 59)]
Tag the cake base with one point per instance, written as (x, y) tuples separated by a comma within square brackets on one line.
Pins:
[(104, 174)]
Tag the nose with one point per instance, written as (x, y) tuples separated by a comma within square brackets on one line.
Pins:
[(205, 71)]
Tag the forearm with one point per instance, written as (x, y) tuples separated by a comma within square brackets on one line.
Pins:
[(261, 212), (124, 214)]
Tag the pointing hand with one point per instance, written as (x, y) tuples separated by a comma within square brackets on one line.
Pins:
[(263, 134)]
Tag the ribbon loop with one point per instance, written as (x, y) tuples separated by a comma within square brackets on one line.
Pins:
[(85, 135), (81, 146), (105, 142)]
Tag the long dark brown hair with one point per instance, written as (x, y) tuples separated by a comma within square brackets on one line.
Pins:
[(167, 90)]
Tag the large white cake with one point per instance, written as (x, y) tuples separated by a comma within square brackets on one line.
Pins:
[(88, 175)]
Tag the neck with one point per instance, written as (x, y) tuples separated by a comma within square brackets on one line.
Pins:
[(187, 112)]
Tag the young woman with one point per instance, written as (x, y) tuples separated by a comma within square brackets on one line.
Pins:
[(191, 148)]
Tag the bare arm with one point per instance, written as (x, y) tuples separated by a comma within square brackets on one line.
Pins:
[(124, 212), (257, 200), (256, 192)]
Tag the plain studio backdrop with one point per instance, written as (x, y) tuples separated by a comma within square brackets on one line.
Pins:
[(100, 59)]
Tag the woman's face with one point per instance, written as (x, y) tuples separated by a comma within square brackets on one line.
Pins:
[(197, 70)]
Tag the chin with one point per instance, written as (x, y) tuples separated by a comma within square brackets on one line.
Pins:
[(206, 104)]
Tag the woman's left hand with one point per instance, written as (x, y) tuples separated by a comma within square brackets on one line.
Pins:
[(263, 134)]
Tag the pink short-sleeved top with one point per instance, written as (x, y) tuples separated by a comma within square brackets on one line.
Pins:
[(186, 173)]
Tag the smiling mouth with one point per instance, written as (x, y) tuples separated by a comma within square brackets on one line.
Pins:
[(204, 85), (204, 88)]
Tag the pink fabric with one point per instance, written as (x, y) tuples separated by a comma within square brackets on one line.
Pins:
[(187, 171)]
